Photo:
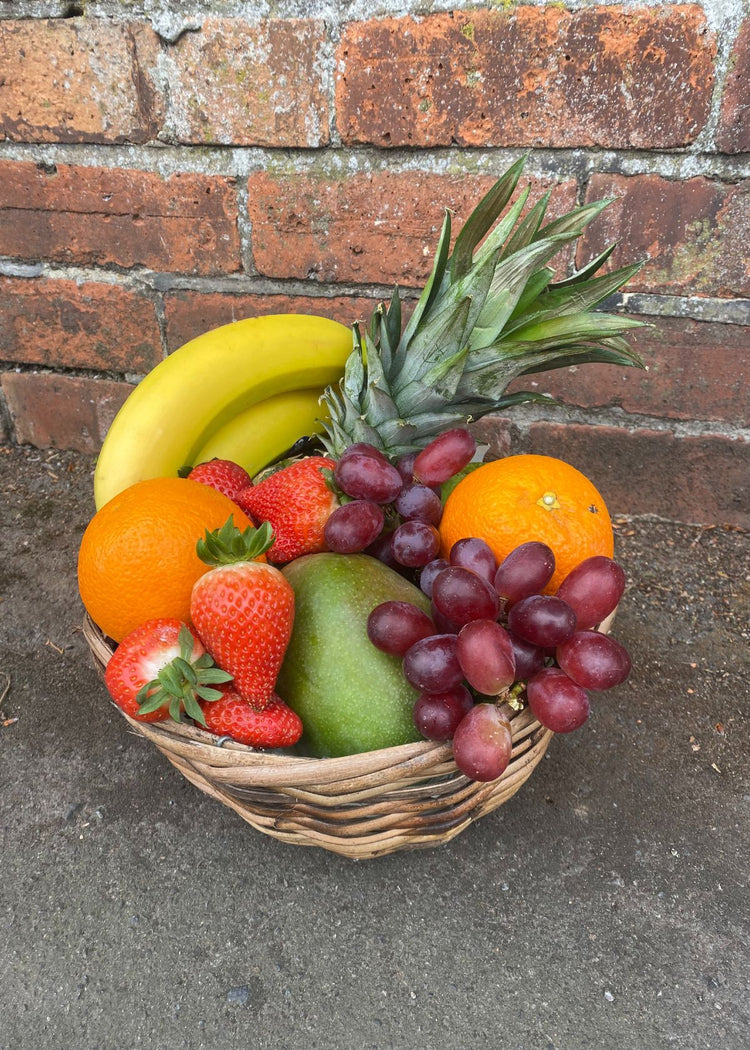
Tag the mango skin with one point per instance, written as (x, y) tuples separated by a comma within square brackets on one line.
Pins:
[(350, 696)]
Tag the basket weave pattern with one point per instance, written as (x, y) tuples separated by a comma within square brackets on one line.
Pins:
[(360, 806)]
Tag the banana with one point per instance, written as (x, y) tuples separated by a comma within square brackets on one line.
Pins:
[(174, 411), (262, 432)]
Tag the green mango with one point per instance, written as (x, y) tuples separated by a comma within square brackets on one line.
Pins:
[(350, 696)]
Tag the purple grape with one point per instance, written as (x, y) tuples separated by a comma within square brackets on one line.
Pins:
[(405, 467), (463, 596), (593, 660), (353, 526), (482, 743), (593, 590), (419, 503), (415, 544), (363, 448), (395, 626), (542, 619), (486, 656), (557, 701), (444, 456), (526, 570), (475, 554), (431, 664), (381, 549), (364, 476), (437, 715), (529, 658), (429, 572), (442, 623)]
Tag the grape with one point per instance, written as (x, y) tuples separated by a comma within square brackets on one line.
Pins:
[(437, 715), (353, 526), (526, 570), (381, 549), (482, 743), (431, 664), (429, 572), (415, 544), (444, 456), (486, 656), (593, 660), (442, 623), (529, 658), (475, 554), (542, 619), (395, 626), (405, 467), (364, 449), (462, 596), (556, 700), (419, 503), (593, 589), (364, 476)]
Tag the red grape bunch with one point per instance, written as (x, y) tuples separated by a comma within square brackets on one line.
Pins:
[(494, 635)]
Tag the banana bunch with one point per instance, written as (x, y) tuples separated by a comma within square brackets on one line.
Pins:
[(245, 391)]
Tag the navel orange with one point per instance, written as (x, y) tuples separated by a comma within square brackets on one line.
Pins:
[(137, 559), (509, 501)]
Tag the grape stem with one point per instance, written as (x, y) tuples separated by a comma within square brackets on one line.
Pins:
[(512, 697)]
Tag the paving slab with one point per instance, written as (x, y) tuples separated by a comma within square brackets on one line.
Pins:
[(604, 906)]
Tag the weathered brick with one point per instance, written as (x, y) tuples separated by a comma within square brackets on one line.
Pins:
[(703, 479), (250, 84), (78, 80), (189, 313), (733, 133), (183, 223), (378, 227), (692, 233), (696, 370), (528, 76), (59, 323), (62, 411)]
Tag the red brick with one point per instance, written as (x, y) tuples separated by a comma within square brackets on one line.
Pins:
[(189, 314), (696, 370), (67, 325), (378, 227), (733, 133), (693, 479), (530, 76), (693, 233), (58, 411), (182, 223), (78, 80), (249, 84)]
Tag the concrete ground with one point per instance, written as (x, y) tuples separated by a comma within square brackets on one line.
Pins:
[(604, 906)]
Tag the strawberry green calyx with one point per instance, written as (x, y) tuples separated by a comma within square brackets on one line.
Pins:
[(182, 683), (228, 545)]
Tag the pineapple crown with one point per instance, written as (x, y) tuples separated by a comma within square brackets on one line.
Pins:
[(489, 312)]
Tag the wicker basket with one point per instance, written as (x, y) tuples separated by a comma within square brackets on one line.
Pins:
[(361, 806)]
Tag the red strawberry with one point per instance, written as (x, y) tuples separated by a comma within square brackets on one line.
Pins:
[(275, 725), (243, 610), (160, 670), (297, 501), (222, 474)]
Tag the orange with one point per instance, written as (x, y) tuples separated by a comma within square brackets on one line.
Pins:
[(510, 501), (137, 559)]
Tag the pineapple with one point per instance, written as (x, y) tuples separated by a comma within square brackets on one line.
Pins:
[(489, 312)]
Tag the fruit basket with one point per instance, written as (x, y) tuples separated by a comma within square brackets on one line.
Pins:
[(361, 806), (316, 556)]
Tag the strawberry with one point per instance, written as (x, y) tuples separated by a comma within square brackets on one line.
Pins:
[(242, 609), (275, 725), (161, 669), (297, 501), (222, 474)]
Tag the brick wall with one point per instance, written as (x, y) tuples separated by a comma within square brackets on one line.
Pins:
[(164, 173)]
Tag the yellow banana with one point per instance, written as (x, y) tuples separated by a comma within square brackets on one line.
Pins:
[(262, 432), (173, 412)]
